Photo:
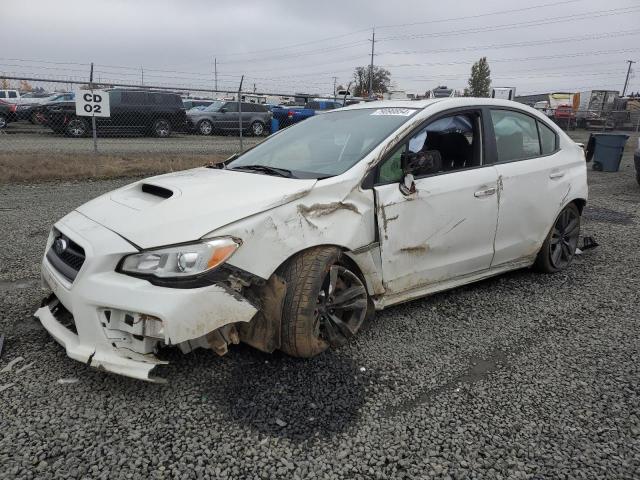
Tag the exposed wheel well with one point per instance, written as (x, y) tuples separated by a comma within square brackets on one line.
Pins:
[(344, 259), (580, 203)]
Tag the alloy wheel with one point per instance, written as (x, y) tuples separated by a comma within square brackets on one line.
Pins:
[(76, 128), (162, 128), (341, 306), (257, 129), (205, 127), (564, 238)]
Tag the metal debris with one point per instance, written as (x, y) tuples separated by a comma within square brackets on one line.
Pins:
[(25, 367)]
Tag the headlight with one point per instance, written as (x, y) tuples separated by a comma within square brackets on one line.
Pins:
[(181, 261)]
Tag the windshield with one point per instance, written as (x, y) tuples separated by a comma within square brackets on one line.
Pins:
[(214, 107), (328, 144)]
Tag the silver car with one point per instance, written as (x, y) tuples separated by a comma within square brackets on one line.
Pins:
[(222, 117)]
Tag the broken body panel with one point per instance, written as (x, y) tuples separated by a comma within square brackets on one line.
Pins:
[(404, 246)]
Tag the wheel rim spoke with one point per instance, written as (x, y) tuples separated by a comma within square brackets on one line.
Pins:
[(555, 254), (347, 297)]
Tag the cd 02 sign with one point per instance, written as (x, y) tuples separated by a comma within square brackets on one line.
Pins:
[(92, 103)]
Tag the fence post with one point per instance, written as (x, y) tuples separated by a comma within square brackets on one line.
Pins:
[(93, 120), (240, 110)]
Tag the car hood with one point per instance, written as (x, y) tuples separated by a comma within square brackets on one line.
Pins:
[(184, 206)]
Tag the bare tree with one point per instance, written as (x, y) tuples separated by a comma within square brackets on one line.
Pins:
[(381, 80)]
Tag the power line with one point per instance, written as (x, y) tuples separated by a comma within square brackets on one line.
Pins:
[(528, 23), (488, 14), (550, 41)]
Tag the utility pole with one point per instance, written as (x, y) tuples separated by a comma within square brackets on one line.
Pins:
[(215, 73), (254, 88), (626, 81), (142, 76), (335, 79), (373, 43)]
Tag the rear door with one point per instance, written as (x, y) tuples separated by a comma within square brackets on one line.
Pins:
[(445, 229), (229, 120), (533, 182)]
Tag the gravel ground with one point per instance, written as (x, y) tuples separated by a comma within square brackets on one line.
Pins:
[(521, 376), (26, 138)]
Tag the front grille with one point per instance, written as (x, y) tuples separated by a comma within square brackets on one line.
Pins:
[(66, 256)]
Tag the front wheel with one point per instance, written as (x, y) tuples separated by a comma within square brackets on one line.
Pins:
[(77, 127), (3, 121), (325, 303), (559, 247), (161, 128), (205, 127), (257, 129)]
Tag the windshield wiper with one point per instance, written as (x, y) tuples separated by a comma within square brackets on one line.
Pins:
[(280, 172)]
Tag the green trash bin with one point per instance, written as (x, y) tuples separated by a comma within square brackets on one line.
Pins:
[(606, 149)]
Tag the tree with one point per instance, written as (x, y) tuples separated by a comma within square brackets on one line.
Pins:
[(480, 79), (4, 83), (381, 80), (25, 86)]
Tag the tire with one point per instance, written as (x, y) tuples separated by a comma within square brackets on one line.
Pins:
[(205, 127), (3, 122), (257, 129), (559, 247), (76, 128), (161, 128), (314, 317)]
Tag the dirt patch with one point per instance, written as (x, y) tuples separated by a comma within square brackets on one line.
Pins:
[(30, 167)]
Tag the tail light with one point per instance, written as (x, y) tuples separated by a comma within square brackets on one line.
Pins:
[(13, 107), (290, 114)]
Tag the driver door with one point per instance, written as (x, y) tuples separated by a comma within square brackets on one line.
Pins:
[(445, 228)]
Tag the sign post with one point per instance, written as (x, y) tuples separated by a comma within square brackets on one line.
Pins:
[(93, 103)]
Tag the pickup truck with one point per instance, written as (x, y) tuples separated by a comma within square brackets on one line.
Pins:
[(290, 114)]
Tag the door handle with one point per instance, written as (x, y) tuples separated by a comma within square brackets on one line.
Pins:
[(485, 193), (553, 175)]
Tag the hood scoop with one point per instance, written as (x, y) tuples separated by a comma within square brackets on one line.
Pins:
[(156, 190)]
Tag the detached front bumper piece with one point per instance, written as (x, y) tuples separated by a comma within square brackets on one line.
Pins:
[(117, 323)]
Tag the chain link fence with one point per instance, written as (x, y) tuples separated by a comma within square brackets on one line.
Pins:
[(174, 123), (159, 128)]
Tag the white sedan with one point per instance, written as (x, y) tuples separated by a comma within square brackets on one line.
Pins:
[(292, 244)]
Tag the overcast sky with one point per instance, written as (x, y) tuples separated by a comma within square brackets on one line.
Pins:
[(294, 45)]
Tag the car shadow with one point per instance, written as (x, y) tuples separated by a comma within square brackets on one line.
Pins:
[(286, 397)]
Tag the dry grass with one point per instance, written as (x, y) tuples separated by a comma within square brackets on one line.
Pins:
[(28, 167)]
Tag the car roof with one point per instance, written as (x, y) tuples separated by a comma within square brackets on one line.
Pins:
[(451, 102)]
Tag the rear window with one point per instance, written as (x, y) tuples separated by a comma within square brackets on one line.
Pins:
[(3, 94), (547, 139)]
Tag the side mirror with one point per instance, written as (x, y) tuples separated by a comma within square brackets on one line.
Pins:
[(223, 110)]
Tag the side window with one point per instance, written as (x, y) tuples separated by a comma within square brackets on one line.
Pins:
[(231, 106), (547, 139), (516, 135), (134, 98), (314, 105), (3, 94), (446, 144), (13, 94)]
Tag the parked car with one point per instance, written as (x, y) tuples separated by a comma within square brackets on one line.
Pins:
[(220, 117), (289, 114), (132, 111), (291, 244), (190, 103), (7, 113), (8, 94), (28, 108)]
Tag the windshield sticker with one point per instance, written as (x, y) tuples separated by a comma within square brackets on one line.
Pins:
[(403, 112)]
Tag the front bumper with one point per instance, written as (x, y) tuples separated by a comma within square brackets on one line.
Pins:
[(111, 312)]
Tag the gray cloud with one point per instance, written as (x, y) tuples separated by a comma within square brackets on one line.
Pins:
[(181, 38)]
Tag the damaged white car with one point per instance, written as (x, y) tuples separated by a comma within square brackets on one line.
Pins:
[(291, 244)]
